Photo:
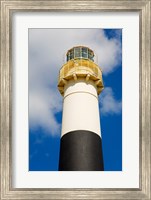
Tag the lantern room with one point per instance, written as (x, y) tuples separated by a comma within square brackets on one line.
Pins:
[(80, 52)]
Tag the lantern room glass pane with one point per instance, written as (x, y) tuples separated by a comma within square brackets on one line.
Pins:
[(76, 52), (68, 56), (71, 54), (84, 52), (90, 55)]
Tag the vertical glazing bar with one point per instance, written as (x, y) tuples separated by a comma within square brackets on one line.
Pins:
[(80, 52), (87, 52), (80, 56), (73, 53), (88, 59)]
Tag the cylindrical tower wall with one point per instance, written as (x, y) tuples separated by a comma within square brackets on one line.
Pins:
[(80, 107)]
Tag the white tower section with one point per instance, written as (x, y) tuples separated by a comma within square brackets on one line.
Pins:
[(80, 107)]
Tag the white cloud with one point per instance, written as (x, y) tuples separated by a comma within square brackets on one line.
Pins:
[(108, 104), (47, 49), (43, 105)]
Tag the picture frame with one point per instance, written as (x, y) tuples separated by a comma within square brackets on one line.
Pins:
[(8, 7)]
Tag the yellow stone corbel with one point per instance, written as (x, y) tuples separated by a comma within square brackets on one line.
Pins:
[(87, 77), (64, 81), (97, 82), (75, 77)]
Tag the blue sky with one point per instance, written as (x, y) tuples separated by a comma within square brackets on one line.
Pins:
[(47, 49)]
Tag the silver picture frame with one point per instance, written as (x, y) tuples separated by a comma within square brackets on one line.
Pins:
[(143, 7)]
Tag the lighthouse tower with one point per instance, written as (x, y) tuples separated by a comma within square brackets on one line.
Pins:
[(80, 82)]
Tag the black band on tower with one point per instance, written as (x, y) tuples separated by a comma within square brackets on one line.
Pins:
[(81, 151)]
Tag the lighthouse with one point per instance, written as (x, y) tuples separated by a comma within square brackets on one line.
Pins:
[(80, 82)]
